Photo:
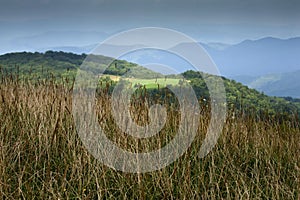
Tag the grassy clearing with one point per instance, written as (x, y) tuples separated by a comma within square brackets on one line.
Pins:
[(148, 83), (153, 83), (42, 157)]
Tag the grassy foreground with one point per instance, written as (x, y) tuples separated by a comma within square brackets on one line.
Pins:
[(42, 157)]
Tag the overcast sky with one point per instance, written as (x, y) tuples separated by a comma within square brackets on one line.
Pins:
[(206, 20)]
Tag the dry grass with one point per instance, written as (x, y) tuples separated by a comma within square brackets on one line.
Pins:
[(42, 157)]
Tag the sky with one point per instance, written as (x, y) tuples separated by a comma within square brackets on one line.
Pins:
[(222, 21)]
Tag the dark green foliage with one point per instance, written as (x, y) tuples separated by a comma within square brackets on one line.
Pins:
[(244, 99), (26, 64)]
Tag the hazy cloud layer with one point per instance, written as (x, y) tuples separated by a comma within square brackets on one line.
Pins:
[(210, 20)]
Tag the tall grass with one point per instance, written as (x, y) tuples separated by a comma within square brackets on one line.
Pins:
[(42, 157)]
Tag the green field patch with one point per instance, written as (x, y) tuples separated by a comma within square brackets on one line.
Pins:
[(148, 83), (153, 83)]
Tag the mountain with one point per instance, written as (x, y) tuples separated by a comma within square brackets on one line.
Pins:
[(258, 57), (281, 84), (72, 49), (215, 45), (250, 57), (54, 40)]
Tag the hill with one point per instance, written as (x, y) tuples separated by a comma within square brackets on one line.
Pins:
[(258, 57), (61, 63), (245, 99), (280, 84)]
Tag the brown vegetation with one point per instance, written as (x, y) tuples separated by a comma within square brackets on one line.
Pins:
[(42, 157)]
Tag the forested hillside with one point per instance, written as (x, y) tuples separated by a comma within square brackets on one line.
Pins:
[(246, 99), (61, 64)]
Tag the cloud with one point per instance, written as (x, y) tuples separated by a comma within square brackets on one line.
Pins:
[(231, 10), (235, 18)]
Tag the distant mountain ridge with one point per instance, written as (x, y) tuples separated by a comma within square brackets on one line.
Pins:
[(281, 84), (258, 57), (53, 40), (250, 57)]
